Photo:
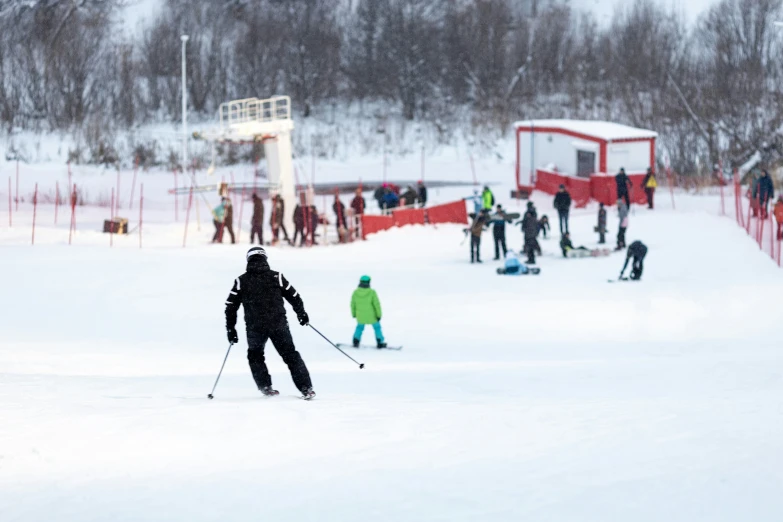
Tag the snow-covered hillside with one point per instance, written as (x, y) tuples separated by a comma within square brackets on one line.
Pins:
[(547, 398)]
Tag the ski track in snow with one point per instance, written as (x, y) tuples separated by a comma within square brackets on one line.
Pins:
[(549, 398)]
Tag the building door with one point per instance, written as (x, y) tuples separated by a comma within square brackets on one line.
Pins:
[(585, 163)]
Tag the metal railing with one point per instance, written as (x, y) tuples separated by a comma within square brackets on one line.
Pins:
[(254, 110)]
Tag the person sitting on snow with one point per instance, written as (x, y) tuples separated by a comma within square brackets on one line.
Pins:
[(366, 309), (566, 245), (637, 251), (512, 265)]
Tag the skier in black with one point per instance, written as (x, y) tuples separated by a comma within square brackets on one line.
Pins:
[(637, 251), (299, 224), (499, 232), (530, 230), (262, 290), (422, 194), (563, 207)]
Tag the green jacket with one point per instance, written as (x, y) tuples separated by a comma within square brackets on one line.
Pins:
[(487, 199), (365, 306)]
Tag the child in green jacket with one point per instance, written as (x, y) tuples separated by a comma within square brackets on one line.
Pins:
[(366, 309)]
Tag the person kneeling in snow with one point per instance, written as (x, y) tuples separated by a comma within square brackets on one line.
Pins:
[(366, 309), (566, 245), (261, 291), (637, 251)]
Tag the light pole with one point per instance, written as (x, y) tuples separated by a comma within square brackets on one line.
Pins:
[(184, 39)]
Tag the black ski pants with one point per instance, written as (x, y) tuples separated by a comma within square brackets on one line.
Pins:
[(621, 237), (563, 214), (257, 229), (284, 344), (475, 248), (299, 232), (637, 268), (500, 242), (530, 248), (626, 197)]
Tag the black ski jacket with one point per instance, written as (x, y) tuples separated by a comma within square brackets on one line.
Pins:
[(623, 184), (261, 291), (766, 189), (562, 201), (530, 225), (637, 250)]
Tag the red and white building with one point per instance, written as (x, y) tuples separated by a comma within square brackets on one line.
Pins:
[(583, 155)]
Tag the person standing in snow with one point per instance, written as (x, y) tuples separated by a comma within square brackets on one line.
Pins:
[(499, 232), (339, 213), (409, 197), (529, 224), (358, 204), (650, 184), (218, 217), (313, 224), (623, 186), (422, 194), (257, 221), (778, 211), (366, 309), (766, 191), (637, 251), (228, 220), (487, 199), (299, 224), (480, 222), (563, 207), (262, 291), (276, 219), (601, 228), (622, 214)]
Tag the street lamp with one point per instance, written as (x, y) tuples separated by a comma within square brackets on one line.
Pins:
[(184, 39)]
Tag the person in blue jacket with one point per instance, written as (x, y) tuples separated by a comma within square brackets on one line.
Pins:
[(513, 266), (390, 200)]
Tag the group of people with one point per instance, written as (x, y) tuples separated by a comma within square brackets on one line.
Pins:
[(624, 185), (762, 191), (389, 196)]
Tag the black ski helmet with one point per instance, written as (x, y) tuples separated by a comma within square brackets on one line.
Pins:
[(255, 251)]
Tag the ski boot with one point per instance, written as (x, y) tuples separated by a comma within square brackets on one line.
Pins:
[(269, 391), (381, 344), (355, 342), (308, 394)]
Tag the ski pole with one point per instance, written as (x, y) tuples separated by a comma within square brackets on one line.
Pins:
[(210, 396), (361, 365)]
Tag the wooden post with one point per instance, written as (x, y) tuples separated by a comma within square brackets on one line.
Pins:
[(35, 209)]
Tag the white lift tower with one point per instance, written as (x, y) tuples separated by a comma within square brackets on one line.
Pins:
[(269, 122)]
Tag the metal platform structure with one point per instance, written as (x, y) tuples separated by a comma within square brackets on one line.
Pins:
[(266, 121)]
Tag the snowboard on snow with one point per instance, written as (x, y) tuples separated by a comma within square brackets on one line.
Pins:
[(367, 346), (531, 270), (596, 252)]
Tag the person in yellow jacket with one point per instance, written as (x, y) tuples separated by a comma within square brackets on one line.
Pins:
[(366, 309), (650, 184)]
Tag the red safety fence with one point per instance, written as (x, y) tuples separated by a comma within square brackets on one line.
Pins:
[(455, 212), (600, 187), (758, 220), (373, 224), (411, 216)]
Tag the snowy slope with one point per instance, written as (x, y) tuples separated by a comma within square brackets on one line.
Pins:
[(549, 398)]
